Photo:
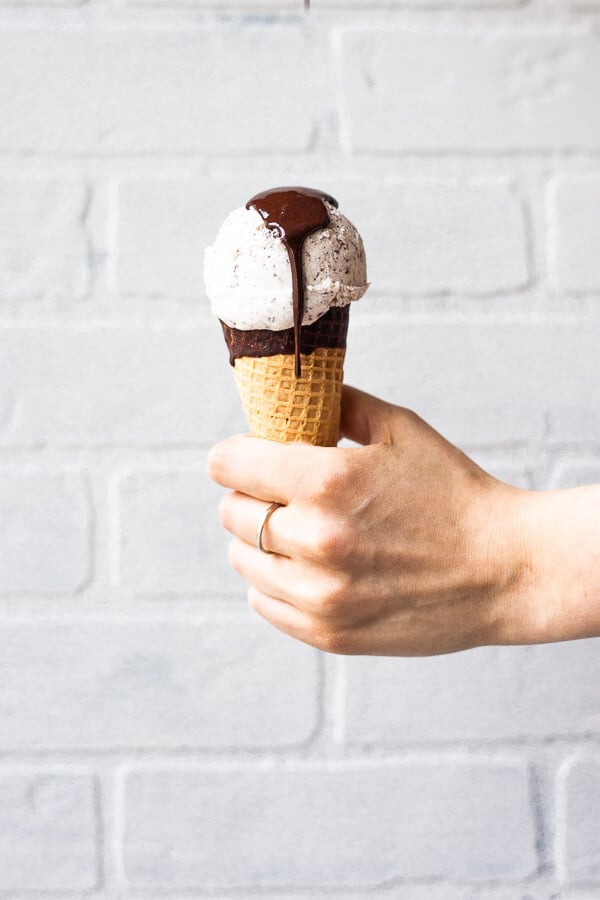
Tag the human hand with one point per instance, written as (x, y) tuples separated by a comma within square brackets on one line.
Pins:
[(403, 546)]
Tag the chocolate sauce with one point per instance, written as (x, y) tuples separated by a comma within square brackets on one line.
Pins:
[(293, 213)]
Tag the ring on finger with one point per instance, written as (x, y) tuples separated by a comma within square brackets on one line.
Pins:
[(262, 524)]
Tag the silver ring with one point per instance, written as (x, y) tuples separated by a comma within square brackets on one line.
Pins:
[(261, 526)]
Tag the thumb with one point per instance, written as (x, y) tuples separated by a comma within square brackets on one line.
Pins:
[(366, 419)]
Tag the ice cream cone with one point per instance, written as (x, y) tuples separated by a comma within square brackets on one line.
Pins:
[(281, 276), (281, 407)]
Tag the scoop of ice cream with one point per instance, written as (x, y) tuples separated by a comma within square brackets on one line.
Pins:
[(248, 275)]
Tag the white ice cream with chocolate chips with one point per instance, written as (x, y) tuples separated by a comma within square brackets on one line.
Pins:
[(248, 276)]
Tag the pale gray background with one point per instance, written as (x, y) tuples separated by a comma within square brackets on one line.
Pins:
[(155, 738)]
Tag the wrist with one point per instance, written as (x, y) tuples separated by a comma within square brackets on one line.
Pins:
[(509, 560), (547, 586), (566, 538)]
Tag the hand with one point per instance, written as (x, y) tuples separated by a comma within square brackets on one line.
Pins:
[(400, 547)]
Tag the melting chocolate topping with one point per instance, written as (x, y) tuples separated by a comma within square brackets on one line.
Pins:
[(293, 213)]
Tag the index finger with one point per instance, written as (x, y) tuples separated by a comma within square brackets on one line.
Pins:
[(268, 470)]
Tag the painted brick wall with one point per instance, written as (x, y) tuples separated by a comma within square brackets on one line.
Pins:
[(155, 739)]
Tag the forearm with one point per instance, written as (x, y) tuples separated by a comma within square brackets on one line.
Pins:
[(558, 596)]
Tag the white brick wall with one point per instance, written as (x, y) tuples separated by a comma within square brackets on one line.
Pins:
[(127, 384), (426, 91), (356, 837), (43, 246), (45, 533), (578, 797), (575, 258), (154, 738), (165, 542), (475, 696), (437, 244), (160, 90), (48, 830), (155, 684)]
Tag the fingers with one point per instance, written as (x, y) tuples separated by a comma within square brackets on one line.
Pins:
[(241, 515), (365, 419), (369, 420), (281, 615), (302, 532), (307, 587), (303, 626), (272, 574), (269, 470)]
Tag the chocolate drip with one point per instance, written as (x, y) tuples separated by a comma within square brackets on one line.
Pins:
[(293, 213), (328, 331)]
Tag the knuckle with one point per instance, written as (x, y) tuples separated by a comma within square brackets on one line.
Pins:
[(233, 556), (333, 544), (253, 599), (334, 640), (333, 598), (335, 480), (324, 540), (408, 417), (216, 463), (225, 510)]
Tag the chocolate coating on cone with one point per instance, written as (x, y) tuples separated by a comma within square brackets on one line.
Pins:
[(329, 331), (293, 213)]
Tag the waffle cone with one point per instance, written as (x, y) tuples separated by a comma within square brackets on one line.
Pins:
[(281, 407)]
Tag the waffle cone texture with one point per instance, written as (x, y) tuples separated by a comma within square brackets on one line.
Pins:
[(281, 407)]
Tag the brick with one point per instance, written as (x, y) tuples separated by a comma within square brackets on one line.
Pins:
[(317, 5), (163, 685), (578, 802), (161, 91), (45, 540), (575, 260), (256, 7), (304, 826), (164, 226), (112, 384), (415, 890), (576, 474), (138, 385), (410, 91), (445, 238), (492, 693), (50, 3), (577, 894), (483, 383), (132, 385), (438, 890), (467, 238), (159, 244), (171, 541), (48, 831), (43, 247)]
